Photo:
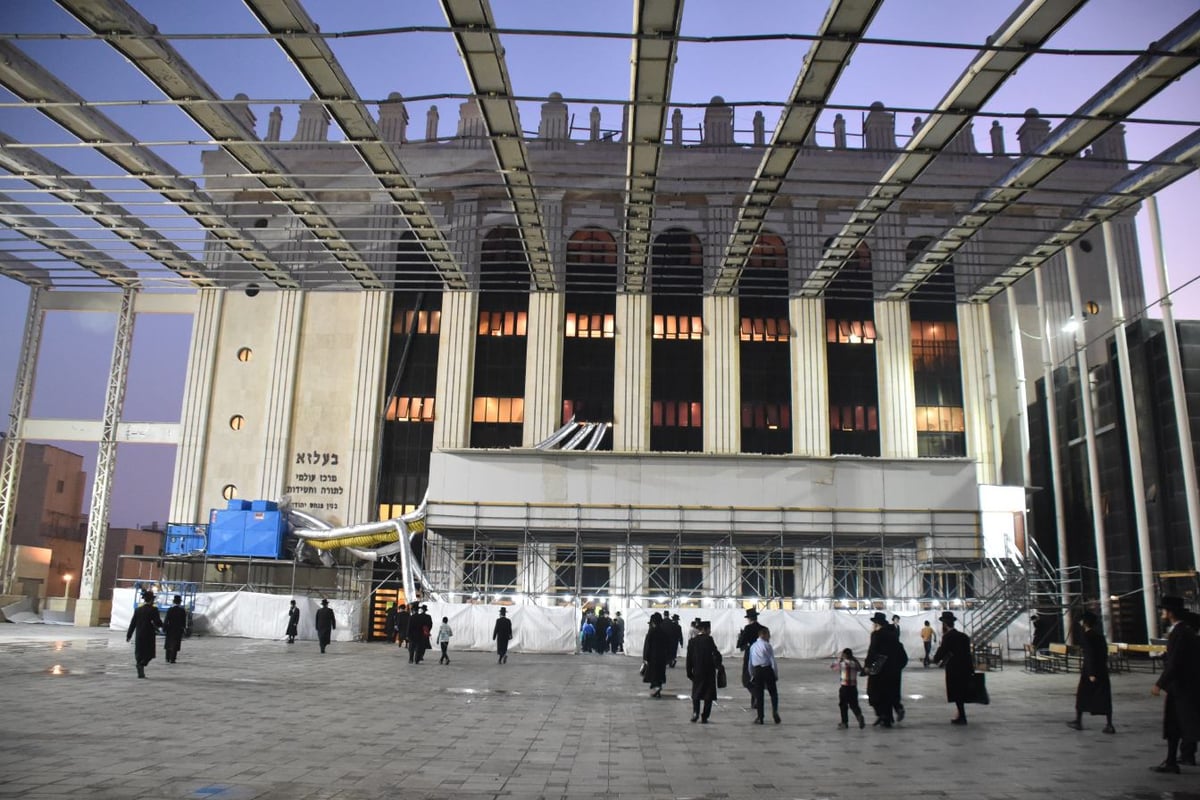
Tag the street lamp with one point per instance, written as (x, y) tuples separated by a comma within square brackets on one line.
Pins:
[(67, 585)]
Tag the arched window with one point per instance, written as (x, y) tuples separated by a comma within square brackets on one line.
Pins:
[(676, 263), (592, 261), (769, 253), (502, 264)]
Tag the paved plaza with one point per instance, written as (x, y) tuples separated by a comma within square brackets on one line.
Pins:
[(237, 719)]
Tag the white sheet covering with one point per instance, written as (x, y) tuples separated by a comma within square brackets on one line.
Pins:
[(537, 629)]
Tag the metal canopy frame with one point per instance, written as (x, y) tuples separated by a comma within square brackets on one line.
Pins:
[(1029, 27), (30, 81), (652, 66), (823, 65), (479, 45), (1176, 53)]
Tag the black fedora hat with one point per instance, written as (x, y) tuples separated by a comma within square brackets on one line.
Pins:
[(949, 617), (1089, 618), (1170, 602), (751, 613), (879, 618)]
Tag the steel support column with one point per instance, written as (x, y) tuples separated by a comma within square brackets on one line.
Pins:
[(14, 445), (1060, 517), (87, 612)]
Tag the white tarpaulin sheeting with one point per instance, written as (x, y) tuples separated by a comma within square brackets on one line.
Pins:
[(538, 629)]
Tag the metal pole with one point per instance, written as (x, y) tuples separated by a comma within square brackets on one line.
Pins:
[(1089, 428), (14, 446), (1060, 517), (1190, 490), (1136, 479)]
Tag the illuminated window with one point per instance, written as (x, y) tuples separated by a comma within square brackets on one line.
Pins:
[(590, 326), (676, 326), (393, 510), (764, 330), (844, 331), (941, 419), (591, 246), (853, 418), (410, 409), (502, 323), (675, 414), (766, 416), (499, 409), (427, 322)]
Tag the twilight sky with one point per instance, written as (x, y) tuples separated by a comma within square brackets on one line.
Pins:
[(75, 354)]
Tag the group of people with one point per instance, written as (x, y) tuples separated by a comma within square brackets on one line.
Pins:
[(145, 625), (600, 633)]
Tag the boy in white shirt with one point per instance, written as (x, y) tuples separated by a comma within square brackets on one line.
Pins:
[(443, 638)]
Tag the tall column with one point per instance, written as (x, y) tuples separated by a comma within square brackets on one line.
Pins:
[(543, 366), (1014, 322), (1089, 427), (1134, 448), (88, 609), (810, 378), (1060, 516), (723, 579), (277, 422), (455, 370), (897, 388), (631, 381), (977, 381), (194, 414), (14, 445), (1182, 424), (361, 499), (722, 408)]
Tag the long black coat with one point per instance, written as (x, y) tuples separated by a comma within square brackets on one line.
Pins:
[(883, 688), (954, 654), (1094, 697), (146, 624), (703, 659), (174, 627), (402, 620), (325, 624), (1179, 679), (293, 621), (657, 648)]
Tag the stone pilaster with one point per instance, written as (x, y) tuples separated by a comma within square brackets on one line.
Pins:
[(722, 388), (897, 392), (977, 377), (456, 369), (810, 378), (631, 380), (543, 366)]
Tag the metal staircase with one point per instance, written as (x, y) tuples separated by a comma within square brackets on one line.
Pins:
[(1025, 581)]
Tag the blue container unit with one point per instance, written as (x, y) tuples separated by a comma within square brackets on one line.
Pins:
[(250, 529), (182, 540)]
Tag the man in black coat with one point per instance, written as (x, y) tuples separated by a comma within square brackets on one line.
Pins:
[(676, 637), (173, 629), (502, 634), (703, 662), (425, 626), (954, 656), (747, 637), (389, 623), (293, 625), (1181, 711), (414, 634), (146, 623), (325, 624), (403, 618), (1094, 693), (885, 659), (656, 654)]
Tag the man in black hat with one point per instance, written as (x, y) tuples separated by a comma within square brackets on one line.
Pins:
[(954, 656), (146, 623), (325, 624), (1181, 711), (703, 662), (403, 618), (1094, 693), (173, 629), (425, 623), (675, 634), (502, 633), (747, 637), (293, 625)]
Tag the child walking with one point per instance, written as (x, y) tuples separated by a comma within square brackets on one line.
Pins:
[(849, 669), (764, 674), (443, 638)]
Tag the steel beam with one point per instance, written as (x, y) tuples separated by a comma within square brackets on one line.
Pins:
[(31, 82), (130, 34), (844, 22), (315, 60), (1174, 55), (483, 56), (1028, 27), (22, 271), (1176, 162), (652, 65), (14, 444), (85, 198)]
